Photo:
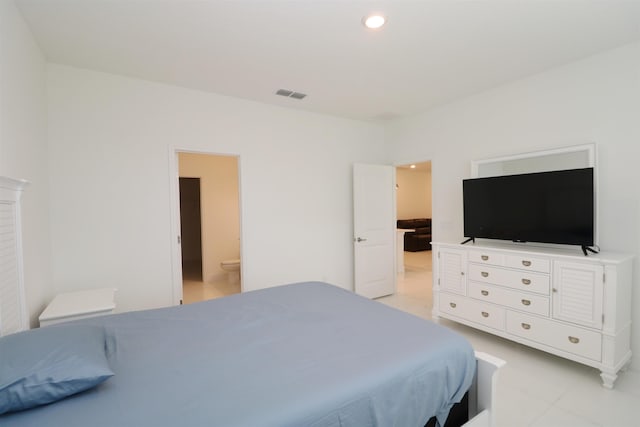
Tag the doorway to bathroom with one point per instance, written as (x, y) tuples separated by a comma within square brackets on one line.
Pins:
[(209, 199)]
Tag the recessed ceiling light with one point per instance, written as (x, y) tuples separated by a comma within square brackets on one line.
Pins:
[(374, 21), (412, 166)]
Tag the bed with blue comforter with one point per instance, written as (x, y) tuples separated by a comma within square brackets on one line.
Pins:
[(307, 354)]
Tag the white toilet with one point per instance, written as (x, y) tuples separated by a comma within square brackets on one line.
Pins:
[(232, 267)]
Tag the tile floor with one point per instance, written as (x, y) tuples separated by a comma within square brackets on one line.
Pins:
[(194, 290), (535, 388)]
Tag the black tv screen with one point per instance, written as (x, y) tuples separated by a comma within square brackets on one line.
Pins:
[(545, 207)]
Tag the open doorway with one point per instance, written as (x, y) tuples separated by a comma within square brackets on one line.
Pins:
[(191, 228), (210, 225), (414, 215)]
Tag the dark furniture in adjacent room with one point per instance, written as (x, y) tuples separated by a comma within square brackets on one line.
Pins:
[(419, 238)]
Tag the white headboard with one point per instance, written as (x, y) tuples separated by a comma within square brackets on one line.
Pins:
[(13, 312)]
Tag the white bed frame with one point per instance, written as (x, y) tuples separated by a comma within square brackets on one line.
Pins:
[(13, 309), (482, 391)]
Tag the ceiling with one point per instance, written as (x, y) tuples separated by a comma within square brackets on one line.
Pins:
[(418, 167), (429, 53)]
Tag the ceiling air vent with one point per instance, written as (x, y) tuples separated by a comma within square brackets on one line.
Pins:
[(290, 94)]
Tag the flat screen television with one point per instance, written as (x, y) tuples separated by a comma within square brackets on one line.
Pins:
[(545, 207)]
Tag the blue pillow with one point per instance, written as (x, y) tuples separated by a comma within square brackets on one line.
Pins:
[(44, 365)]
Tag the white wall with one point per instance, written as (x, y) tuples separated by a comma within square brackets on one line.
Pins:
[(593, 100), (413, 193), (110, 140), (23, 149), (219, 207)]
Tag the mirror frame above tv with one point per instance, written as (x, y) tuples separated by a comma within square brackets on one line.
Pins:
[(574, 157), (564, 158)]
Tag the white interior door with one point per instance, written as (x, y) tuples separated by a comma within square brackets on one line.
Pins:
[(374, 230)]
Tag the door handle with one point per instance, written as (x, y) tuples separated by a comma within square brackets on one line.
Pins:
[(360, 239)]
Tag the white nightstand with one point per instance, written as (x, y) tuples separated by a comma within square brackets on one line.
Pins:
[(78, 305)]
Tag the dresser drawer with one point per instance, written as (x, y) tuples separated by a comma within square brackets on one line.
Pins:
[(487, 257), (530, 303), (527, 263), (515, 279), (475, 311), (563, 337), (454, 304)]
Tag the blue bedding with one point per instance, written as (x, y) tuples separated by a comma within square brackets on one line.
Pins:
[(307, 354)]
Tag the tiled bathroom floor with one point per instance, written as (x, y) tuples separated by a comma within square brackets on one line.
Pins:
[(197, 290)]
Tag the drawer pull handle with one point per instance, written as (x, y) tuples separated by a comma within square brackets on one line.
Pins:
[(526, 263), (485, 314), (485, 293), (574, 340), (526, 281), (452, 304), (525, 326), (485, 257), (484, 274), (526, 302)]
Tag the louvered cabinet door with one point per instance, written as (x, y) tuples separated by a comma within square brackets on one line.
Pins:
[(578, 293), (452, 270)]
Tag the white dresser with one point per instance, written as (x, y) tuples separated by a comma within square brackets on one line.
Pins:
[(78, 305), (557, 300)]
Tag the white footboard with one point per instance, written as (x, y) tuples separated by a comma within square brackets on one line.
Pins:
[(482, 391)]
